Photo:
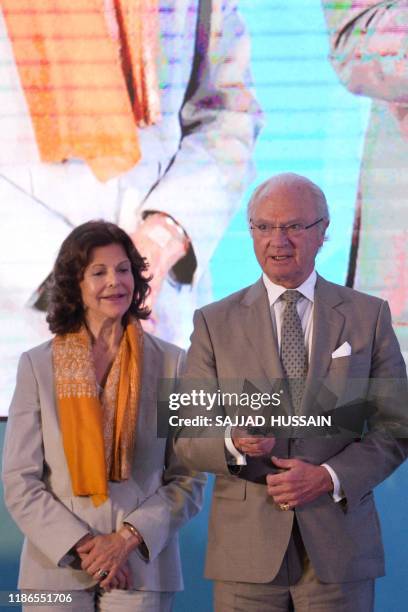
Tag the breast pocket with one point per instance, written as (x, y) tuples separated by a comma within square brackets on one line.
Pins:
[(353, 365), (347, 382)]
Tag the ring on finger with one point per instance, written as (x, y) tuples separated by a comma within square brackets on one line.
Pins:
[(285, 506), (101, 573)]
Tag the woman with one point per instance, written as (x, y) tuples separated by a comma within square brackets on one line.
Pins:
[(98, 495)]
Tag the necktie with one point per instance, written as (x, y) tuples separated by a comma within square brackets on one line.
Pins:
[(293, 351)]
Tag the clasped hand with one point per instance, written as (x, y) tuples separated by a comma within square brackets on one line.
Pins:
[(252, 445), (108, 553), (297, 483)]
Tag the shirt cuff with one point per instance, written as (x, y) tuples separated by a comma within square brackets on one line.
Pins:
[(338, 493), (237, 457)]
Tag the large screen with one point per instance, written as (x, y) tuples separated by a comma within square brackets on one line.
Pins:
[(320, 119)]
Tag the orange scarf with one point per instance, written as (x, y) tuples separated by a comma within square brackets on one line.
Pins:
[(98, 435), (87, 92)]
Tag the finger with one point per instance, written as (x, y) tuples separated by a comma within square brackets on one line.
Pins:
[(257, 453), (106, 581), (277, 479), (97, 573), (256, 443), (96, 566), (268, 443), (130, 582), (114, 584), (128, 571), (121, 579), (89, 563), (286, 495), (284, 499), (283, 483), (254, 450), (125, 579), (248, 441), (86, 547), (280, 488), (284, 463)]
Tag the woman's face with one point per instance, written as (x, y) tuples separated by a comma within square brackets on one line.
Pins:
[(107, 286)]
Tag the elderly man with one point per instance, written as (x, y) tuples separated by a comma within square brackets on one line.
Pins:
[(302, 533)]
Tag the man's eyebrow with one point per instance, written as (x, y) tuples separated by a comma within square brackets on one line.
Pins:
[(290, 222)]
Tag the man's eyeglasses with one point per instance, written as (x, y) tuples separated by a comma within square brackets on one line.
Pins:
[(295, 229)]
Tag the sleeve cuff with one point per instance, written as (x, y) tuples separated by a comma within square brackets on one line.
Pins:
[(338, 493), (71, 556), (237, 458)]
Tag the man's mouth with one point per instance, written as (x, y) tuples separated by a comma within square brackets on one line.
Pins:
[(280, 257)]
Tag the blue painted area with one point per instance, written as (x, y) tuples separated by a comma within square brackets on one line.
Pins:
[(313, 126)]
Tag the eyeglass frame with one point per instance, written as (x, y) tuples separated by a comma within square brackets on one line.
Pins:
[(284, 228)]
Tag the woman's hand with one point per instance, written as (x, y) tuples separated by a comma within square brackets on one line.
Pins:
[(122, 579), (107, 553)]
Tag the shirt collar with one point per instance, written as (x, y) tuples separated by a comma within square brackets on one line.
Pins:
[(275, 291)]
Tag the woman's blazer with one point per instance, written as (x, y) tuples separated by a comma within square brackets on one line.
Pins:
[(158, 499)]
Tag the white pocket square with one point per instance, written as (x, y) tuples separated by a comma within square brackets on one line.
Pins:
[(343, 351)]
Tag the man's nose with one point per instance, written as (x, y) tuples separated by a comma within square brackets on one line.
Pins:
[(278, 237)]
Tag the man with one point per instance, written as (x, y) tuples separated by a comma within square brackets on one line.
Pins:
[(368, 50), (75, 146), (305, 536)]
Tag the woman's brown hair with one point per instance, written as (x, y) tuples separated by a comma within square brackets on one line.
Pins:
[(65, 311)]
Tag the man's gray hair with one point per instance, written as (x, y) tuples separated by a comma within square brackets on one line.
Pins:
[(290, 178)]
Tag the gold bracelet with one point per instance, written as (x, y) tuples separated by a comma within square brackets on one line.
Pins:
[(132, 530)]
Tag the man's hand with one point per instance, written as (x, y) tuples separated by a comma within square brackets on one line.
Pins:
[(163, 243), (299, 484), (107, 553), (251, 445)]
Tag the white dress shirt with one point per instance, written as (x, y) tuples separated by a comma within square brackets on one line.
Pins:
[(304, 308)]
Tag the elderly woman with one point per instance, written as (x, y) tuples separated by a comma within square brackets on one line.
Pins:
[(98, 495)]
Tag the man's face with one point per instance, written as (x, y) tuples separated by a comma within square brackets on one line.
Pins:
[(287, 259)]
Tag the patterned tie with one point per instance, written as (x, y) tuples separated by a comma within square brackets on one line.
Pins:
[(293, 350)]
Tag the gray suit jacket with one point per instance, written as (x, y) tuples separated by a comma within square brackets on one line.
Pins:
[(233, 339), (158, 499)]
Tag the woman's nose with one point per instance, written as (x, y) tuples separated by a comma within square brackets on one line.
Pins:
[(113, 277)]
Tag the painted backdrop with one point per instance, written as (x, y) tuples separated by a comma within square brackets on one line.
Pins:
[(313, 126)]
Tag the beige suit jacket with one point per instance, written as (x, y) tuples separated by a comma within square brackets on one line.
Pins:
[(248, 533), (158, 499)]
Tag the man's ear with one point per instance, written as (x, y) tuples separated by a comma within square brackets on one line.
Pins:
[(325, 224)]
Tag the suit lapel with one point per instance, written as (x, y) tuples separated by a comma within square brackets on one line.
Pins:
[(328, 324), (257, 325)]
